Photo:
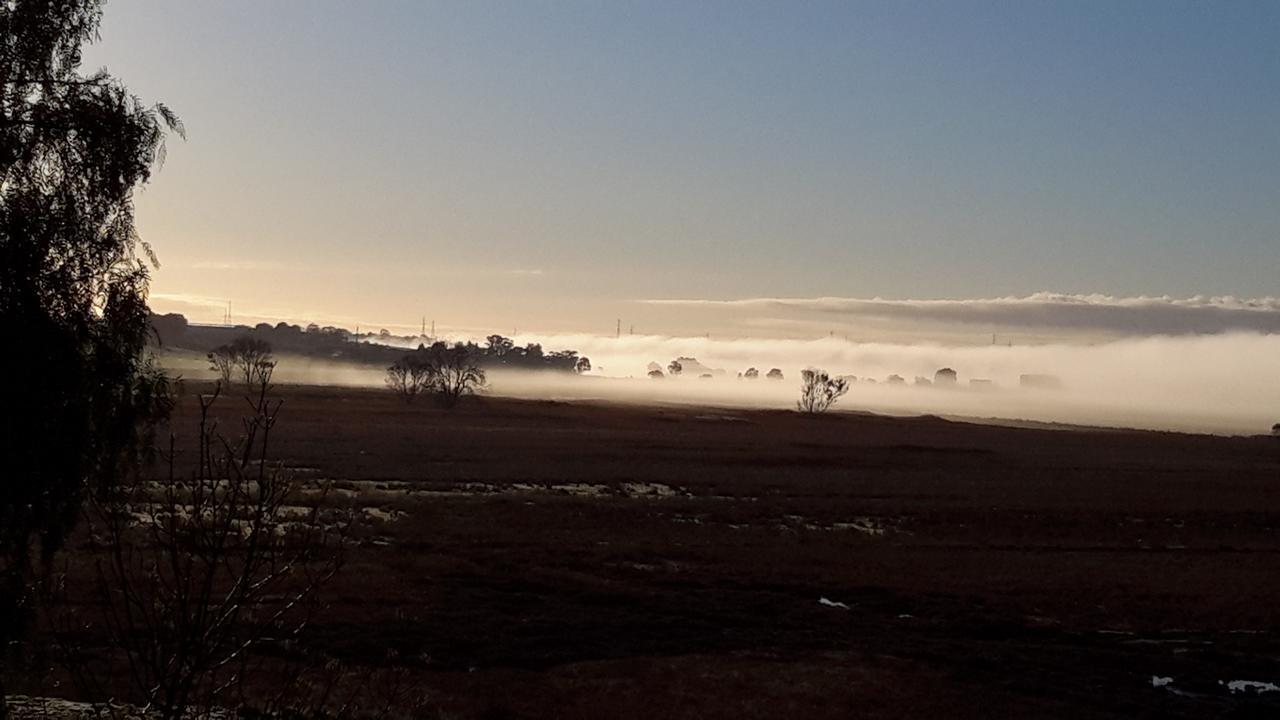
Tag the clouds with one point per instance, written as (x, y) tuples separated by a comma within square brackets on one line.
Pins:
[(1134, 316)]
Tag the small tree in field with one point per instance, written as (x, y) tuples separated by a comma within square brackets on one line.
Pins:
[(410, 376), (222, 362), (675, 368), (454, 374), (774, 374), (819, 391), (253, 360), (751, 374)]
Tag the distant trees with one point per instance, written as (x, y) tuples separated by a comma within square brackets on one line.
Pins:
[(656, 374), (774, 374), (1275, 430), (819, 391), (248, 358), (945, 376), (456, 374), (674, 368), (582, 365), (499, 346), (410, 376), (447, 372), (751, 374)]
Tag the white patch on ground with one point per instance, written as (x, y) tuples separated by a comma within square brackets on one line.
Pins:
[(21, 707), (1159, 682), (376, 513), (1238, 686), (832, 603)]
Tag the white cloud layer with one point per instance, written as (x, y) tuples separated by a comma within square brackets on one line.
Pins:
[(1141, 315)]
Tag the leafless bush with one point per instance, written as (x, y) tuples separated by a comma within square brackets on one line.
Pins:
[(193, 574), (819, 391)]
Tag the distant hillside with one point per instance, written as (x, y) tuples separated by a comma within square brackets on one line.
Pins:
[(334, 343)]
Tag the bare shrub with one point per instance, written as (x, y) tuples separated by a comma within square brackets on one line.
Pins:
[(819, 391), (192, 575)]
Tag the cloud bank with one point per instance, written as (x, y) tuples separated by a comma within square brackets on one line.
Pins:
[(1107, 314)]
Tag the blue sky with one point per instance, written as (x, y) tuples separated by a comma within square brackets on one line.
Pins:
[(547, 164)]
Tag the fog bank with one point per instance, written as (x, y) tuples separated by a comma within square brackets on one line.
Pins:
[(1210, 383)]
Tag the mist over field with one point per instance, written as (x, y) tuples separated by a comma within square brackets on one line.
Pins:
[(1199, 383)]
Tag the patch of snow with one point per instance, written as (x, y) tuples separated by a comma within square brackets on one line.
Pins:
[(1159, 682), (1257, 686), (832, 603)]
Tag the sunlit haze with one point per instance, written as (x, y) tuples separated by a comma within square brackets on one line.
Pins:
[(918, 175)]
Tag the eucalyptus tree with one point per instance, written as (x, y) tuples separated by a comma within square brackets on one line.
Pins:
[(79, 389)]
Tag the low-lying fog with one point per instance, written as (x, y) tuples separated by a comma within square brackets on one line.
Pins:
[(1224, 383)]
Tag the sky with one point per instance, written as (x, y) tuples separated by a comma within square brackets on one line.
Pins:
[(1078, 168)]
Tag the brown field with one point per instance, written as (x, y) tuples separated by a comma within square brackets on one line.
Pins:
[(561, 560)]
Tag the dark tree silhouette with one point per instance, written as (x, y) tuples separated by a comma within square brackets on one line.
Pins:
[(774, 374), (819, 391), (410, 376), (73, 282), (455, 374), (222, 361), (751, 374), (657, 374), (583, 365), (945, 376), (499, 345), (674, 368)]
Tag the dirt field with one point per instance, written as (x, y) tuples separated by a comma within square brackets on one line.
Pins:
[(536, 559)]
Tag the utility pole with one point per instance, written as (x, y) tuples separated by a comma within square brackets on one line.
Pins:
[(424, 325), (617, 333)]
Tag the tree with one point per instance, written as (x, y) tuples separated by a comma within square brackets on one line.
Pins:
[(945, 376), (774, 374), (223, 362), (674, 368), (819, 391), (656, 374), (498, 345), (410, 376), (583, 365), (253, 360), (751, 374), (73, 283), (247, 358), (455, 374)]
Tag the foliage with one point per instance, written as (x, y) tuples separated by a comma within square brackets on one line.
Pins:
[(819, 391), (674, 368), (73, 282), (774, 374)]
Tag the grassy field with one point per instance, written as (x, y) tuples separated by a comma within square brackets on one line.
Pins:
[(537, 559)]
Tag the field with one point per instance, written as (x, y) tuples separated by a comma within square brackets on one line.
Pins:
[(576, 560)]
